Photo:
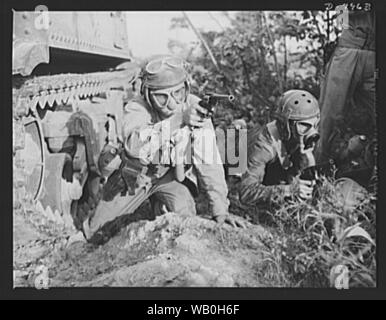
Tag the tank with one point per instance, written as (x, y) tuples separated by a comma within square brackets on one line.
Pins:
[(72, 73)]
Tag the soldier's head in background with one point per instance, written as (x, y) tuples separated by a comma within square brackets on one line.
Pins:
[(298, 120)]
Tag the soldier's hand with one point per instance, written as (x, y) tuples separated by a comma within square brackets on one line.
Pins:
[(305, 188), (231, 220), (194, 115)]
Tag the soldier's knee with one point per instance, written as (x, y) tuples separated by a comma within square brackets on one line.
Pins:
[(182, 202)]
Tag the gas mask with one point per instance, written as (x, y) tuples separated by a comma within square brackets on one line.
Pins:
[(168, 101), (306, 132)]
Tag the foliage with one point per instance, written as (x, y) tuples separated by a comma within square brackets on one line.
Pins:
[(260, 55), (311, 240), (255, 60)]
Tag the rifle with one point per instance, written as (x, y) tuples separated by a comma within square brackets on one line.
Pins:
[(210, 100)]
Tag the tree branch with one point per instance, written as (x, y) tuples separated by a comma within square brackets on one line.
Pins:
[(274, 53), (203, 42)]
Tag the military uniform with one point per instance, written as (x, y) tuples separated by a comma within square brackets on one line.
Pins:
[(270, 167), (144, 134), (278, 151), (349, 78)]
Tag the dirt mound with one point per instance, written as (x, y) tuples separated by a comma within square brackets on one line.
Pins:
[(172, 250)]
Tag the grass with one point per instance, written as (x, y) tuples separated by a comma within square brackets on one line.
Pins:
[(312, 240), (309, 242)]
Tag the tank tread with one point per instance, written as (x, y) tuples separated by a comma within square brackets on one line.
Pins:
[(22, 200), (19, 174), (45, 91)]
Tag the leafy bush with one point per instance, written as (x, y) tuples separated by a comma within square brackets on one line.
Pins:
[(311, 239), (256, 64), (258, 57)]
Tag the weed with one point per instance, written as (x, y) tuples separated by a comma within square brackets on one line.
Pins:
[(310, 240)]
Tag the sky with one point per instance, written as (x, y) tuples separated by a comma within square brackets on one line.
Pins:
[(149, 31)]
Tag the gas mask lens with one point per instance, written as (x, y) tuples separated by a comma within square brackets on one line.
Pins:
[(306, 126), (162, 97), (179, 95), (303, 127), (307, 131)]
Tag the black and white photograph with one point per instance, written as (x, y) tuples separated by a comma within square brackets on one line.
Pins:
[(195, 149)]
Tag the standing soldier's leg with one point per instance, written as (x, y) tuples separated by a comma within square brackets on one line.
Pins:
[(364, 96), (336, 89)]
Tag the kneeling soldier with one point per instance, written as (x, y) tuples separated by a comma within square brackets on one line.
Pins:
[(152, 120), (278, 151)]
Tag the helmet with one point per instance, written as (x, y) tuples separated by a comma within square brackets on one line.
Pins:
[(298, 105), (299, 109), (161, 74)]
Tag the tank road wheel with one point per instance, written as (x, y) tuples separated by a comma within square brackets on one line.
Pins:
[(29, 158), (60, 190), (41, 176)]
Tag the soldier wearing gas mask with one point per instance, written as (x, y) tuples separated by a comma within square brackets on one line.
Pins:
[(164, 109), (280, 150)]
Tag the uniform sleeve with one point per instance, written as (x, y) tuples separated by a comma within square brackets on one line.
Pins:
[(252, 190), (209, 168), (145, 140), (212, 180)]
